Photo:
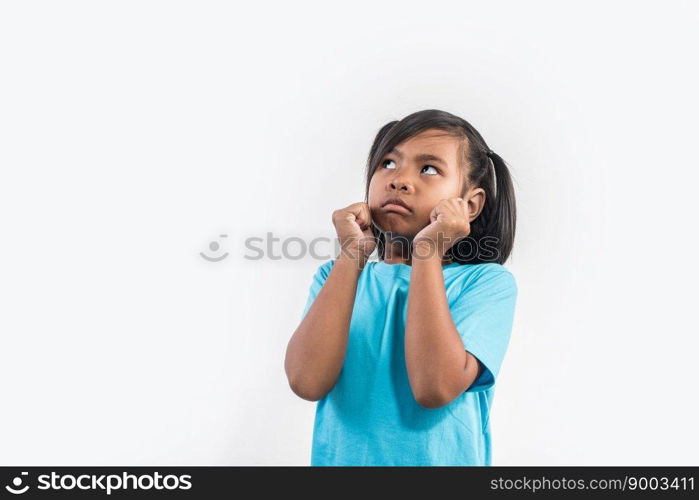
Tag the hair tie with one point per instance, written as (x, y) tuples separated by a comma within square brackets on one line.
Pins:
[(495, 177)]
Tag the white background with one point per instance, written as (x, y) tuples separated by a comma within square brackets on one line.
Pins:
[(132, 134)]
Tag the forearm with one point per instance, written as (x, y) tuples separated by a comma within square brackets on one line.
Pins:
[(316, 351), (434, 352)]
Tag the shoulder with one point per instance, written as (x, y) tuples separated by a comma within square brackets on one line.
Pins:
[(489, 276), (494, 271)]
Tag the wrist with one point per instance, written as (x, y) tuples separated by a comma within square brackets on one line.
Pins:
[(426, 249), (354, 257)]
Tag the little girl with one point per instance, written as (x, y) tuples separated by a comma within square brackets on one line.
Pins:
[(402, 353)]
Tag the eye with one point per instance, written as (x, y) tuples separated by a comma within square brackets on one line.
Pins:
[(388, 160), (433, 168)]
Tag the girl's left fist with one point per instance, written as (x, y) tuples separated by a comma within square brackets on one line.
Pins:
[(449, 222)]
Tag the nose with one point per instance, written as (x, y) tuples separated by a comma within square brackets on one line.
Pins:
[(400, 183)]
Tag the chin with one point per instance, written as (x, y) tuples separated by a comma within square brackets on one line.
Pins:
[(397, 227)]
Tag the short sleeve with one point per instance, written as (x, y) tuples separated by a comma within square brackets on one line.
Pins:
[(317, 282), (483, 314)]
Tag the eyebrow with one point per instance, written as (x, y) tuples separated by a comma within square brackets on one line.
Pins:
[(420, 157)]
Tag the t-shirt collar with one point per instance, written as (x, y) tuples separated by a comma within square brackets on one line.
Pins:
[(402, 270)]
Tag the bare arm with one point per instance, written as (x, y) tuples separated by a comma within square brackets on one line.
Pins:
[(316, 351), (439, 368)]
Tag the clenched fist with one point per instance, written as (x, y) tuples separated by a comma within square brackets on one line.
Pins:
[(353, 226), (449, 222)]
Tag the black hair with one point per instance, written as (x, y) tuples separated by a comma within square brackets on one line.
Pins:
[(493, 231)]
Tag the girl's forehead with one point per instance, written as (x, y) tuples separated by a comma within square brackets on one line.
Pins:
[(431, 140), (440, 145)]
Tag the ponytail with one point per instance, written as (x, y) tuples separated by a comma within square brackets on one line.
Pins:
[(504, 219)]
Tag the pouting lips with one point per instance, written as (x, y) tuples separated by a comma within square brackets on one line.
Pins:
[(393, 208), (396, 205)]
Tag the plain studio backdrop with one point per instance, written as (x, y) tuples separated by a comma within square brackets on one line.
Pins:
[(133, 135)]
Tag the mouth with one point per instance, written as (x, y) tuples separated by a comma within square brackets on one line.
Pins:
[(396, 205)]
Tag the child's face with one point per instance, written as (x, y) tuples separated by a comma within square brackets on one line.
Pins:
[(420, 182)]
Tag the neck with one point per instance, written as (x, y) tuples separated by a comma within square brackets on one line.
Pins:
[(398, 250)]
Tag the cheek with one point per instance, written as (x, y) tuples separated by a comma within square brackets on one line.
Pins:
[(429, 202), (374, 191)]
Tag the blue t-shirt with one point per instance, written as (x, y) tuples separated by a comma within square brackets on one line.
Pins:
[(370, 417)]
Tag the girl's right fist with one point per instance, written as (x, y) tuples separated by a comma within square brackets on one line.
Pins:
[(353, 227)]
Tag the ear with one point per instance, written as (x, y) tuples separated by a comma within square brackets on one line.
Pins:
[(475, 201)]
